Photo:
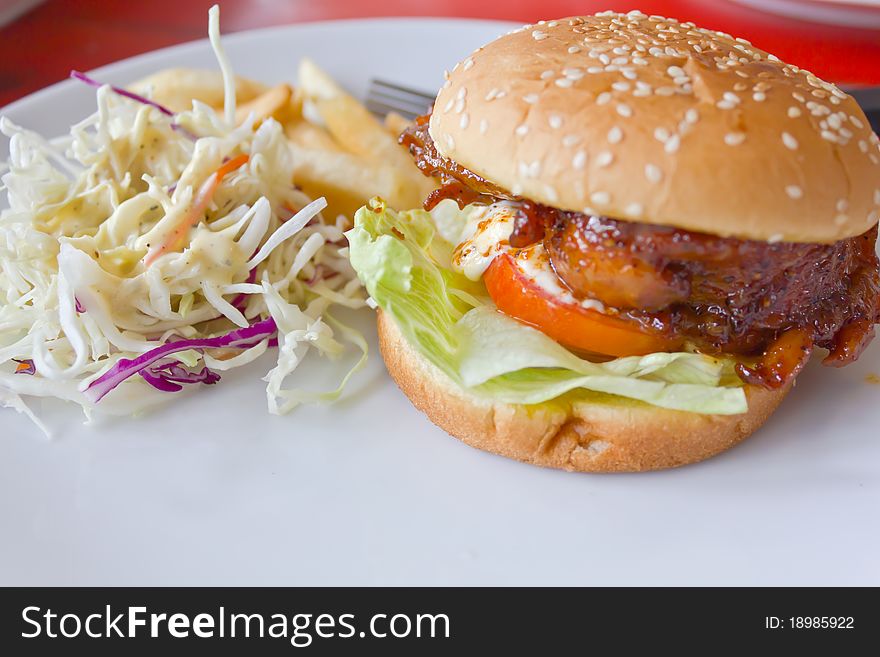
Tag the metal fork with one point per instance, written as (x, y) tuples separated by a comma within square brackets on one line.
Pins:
[(384, 97)]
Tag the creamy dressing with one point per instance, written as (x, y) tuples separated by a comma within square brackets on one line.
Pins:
[(534, 262), (487, 234)]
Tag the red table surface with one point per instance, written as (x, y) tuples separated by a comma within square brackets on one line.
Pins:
[(41, 47)]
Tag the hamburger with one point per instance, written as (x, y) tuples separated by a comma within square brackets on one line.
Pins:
[(643, 232)]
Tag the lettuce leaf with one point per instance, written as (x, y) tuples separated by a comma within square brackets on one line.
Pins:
[(405, 264)]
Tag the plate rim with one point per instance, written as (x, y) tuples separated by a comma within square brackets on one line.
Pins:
[(243, 35)]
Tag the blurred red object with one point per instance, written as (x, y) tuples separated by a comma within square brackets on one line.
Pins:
[(43, 45)]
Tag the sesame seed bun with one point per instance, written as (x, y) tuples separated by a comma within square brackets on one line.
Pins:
[(583, 432), (648, 119)]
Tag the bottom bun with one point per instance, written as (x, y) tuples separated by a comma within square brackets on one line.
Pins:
[(582, 432)]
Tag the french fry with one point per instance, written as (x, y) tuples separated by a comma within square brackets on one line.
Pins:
[(176, 88), (396, 123), (271, 103), (352, 125), (311, 136), (346, 181)]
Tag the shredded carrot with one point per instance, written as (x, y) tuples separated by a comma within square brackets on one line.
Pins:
[(23, 367), (200, 202)]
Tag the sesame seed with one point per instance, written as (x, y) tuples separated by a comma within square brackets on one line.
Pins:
[(634, 210), (672, 144), (840, 219), (563, 82), (570, 140), (794, 192), (790, 142), (842, 205), (725, 105), (464, 121), (759, 96), (731, 97), (573, 73), (798, 97), (615, 135), (653, 173), (856, 122), (773, 239), (600, 198), (555, 121), (521, 130), (863, 146), (468, 63), (461, 93), (493, 93), (484, 126), (661, 134), (448, 105), (537, 35), (595, 69), (450, 142), (877, 197), (546, 75), (734, 138), (603, 98), (573, 49), (628, 73), (675, 71), (665, 91), (827, 135), (459, 106), (531, 99), (579, 160), (621, 86), (692, 116), (604, 158), (793, 112), (624, 110)]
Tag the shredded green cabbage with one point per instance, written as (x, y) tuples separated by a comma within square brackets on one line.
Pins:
[(405, 265)]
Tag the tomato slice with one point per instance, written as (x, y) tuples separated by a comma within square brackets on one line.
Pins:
[(570, 324)]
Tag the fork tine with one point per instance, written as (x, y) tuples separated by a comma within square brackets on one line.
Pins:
[(384, 97), (421, 95)]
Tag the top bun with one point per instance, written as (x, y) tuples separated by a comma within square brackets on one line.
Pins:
[(648, 119)]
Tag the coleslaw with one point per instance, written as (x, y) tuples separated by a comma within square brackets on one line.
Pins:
[(148, 251)]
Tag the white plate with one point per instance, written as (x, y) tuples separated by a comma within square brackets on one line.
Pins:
[(212, 490)]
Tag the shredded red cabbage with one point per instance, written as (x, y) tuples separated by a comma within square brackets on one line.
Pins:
[(25, 366), (82, 77), (242, 338), (169, 375), (79, 307)]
